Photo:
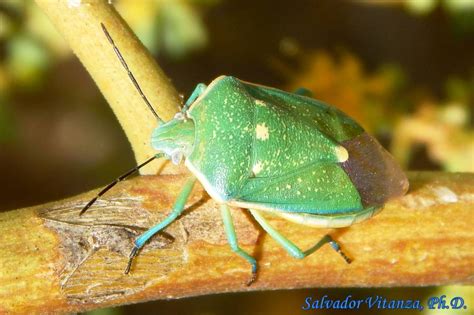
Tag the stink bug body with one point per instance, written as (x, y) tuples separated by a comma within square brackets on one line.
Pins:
[(264, 149)]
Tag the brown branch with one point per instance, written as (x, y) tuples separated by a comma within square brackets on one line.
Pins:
[(79, 23), (52, 259)]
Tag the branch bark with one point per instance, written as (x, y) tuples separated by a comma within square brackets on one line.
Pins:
[(79, 23), (53, 260)]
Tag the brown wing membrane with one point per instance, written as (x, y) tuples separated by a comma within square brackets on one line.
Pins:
[(373, 171)]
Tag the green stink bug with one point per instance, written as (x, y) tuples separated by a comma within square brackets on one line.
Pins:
[(264, 149)]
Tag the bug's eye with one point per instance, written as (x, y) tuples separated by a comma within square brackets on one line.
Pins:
[(176, 156), (179, 116)]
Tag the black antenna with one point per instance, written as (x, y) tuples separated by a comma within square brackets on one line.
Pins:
[(118, 179), (130, 74)]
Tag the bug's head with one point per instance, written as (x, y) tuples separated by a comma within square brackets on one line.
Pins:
[(175, 138)]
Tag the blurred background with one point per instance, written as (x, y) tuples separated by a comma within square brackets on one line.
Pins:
[(403, 69)]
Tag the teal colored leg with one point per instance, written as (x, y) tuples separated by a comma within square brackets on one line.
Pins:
[(232, 238), (178, 208), (201, 87), (290, 247), (303, 92)]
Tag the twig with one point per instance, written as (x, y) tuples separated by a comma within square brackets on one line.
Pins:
[(53, 260), (79, 22)]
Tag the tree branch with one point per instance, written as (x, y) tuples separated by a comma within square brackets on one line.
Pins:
[(79, 23), (52, 259)]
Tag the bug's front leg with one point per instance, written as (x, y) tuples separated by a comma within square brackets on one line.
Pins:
[(232, 238), (290, 247), (198, 90), (178, 208)]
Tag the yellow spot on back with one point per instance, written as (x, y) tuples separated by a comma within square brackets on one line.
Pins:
[(342, 154), (262, 132), (257, 168), (260, 103)]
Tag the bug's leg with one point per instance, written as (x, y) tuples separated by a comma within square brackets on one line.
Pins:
[(290, 247), (232, 238), (197, 91), (178, 208), (303, 92), (118, 179)]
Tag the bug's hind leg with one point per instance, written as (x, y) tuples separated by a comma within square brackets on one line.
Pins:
[(290, 247), (198, 90), (232, 238), (178, 208), (303, 92)]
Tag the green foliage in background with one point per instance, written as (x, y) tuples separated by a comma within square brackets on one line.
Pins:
[(461, 12), (172, 27)]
